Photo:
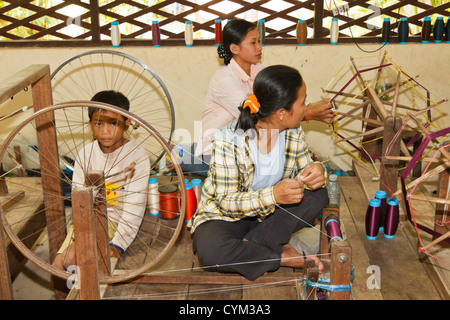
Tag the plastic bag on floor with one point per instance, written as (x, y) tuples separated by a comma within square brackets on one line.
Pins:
[(306, 240)]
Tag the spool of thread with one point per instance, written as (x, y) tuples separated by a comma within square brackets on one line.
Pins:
[(426, 29), (218, 31), (381, 195), (438, 29), (386, 31), (334, 31), (392, 218), (191, 202), (373, 219), (262, 31), (333, 229), (447, 31), (403, 30), (153, 197), (156, 35), (168, 201), (197, 186), (189, 33), (301, 32), (115, 34)]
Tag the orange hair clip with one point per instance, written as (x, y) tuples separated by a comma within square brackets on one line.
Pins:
[(252, 103)]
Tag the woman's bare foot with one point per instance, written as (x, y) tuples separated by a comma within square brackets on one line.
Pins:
[(291, 258)]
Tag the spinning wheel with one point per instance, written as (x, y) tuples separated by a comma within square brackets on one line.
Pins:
[(389, 108), (391, 92), (83, 75), (59, 132)]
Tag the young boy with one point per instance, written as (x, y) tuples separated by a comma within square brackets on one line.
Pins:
[(114, 154)]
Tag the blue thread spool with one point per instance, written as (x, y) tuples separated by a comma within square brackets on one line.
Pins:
[(426, 29), (386, 31), (438, 29), (392, 218), (373, 219), (447, 31), (403, 30), (381, 195)]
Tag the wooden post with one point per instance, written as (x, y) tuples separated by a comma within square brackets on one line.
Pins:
[(324, 245), (311, 273), (96, 178), (389, 175), (3, 186), (50, 172), (341, 264), (85, 242), (5, 276)]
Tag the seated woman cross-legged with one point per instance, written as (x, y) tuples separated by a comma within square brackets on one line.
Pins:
[(262, 185)]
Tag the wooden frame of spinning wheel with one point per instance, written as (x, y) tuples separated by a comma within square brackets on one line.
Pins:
[(39, 79), (38, 76)]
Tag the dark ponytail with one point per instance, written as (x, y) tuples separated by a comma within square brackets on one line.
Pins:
[(233, 33), (275, 87)]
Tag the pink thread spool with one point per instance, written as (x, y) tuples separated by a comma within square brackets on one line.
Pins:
[(334, 229), (156, 35), (373, 219), (392, 218)]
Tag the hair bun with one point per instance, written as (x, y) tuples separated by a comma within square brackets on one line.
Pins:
[(224, 53)]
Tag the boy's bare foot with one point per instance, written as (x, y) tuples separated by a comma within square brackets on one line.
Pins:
[(291, 258)]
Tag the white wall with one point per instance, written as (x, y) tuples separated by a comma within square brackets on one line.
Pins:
[(186, 73)]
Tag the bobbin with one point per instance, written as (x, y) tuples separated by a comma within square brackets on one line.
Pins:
[(168, 202), (333, 228)]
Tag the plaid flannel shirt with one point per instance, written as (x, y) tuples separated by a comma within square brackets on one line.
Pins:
[(227, 193)]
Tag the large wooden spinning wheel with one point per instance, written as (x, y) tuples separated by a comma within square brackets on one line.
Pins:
[(85, 74), (367, 98), (49, 142)]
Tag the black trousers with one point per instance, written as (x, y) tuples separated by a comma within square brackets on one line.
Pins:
[(220, 246)]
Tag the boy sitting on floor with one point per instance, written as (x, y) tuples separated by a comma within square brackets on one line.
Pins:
[(126, 193)]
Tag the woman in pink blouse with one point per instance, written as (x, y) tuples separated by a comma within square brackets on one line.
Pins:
[(241, 50)]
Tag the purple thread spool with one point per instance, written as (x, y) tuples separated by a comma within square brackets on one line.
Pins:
[(381, 195), (373, 219), (156, 35), (333, 229), (392, 218)]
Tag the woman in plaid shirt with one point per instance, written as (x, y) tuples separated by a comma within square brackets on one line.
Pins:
[(262, 185)]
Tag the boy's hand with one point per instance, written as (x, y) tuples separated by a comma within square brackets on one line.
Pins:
[(114, 252)]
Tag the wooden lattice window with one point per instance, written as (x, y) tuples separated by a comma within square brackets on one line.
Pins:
[(84, 22)]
